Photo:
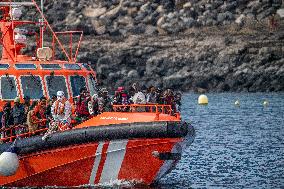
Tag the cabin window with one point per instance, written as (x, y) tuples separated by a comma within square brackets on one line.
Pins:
[(50, 66), (56, 83), (86, 66), (77, 82), (8, 88), (25, 66), (92, 85), (4, 66), (32, 86), (72, 67)]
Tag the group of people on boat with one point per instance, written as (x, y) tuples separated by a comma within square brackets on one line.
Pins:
[(87, 105), (58, 113), (34, 116)]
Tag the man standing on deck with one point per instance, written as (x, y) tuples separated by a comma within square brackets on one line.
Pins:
[(61, 113), (18, 112)]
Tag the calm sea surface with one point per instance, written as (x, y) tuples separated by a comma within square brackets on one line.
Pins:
[(235, 147)]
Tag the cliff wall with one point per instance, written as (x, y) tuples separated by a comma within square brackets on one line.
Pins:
[(212, 45)]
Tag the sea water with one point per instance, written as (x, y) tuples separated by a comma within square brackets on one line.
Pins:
[(235, 146)]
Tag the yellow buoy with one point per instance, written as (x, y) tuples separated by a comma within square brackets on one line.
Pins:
[(265, 103), (237, 103), (202, 100)]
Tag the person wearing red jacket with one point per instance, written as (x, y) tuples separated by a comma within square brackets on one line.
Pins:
[(40, 112), (82, 111)]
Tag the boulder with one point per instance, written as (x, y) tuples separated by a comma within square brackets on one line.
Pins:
[(94, 12), (160, 21), (160, 9), (187, 5), (132, 74), (151, 30), (99, 27)]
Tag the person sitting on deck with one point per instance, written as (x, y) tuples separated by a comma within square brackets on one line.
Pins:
[(82, 111), (61, 113)]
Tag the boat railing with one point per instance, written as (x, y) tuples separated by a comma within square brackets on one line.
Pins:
[(13, 132), (152, 108)]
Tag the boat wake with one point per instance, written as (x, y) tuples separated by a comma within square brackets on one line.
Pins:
[(115, 184)]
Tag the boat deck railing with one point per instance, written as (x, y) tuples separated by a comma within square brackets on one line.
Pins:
[(16, 131), (11, 133), (151, 108)]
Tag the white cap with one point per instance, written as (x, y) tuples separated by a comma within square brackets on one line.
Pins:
[(60, 93)]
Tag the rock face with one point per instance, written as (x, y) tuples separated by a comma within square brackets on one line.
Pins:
[(191, 61), (126, 17), (211, 45)]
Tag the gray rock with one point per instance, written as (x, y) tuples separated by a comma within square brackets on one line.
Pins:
[(151, 30), (187, 5), (189, 22), (217, 58), (94, 12), (225, 16), (160, 9), (160, 21), (139, 29), (132, 74), (228, 6)]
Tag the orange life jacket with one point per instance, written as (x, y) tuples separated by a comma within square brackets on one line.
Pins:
[(59, 110)]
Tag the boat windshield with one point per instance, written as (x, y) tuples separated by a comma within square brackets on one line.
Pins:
[(32, 86), (8, 88), (92, 85), (56, 83), (77, 82)]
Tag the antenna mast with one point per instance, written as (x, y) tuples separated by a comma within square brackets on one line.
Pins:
[(41, 24)]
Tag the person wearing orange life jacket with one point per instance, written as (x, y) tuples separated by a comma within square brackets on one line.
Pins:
[(61, 113), (61, 109)]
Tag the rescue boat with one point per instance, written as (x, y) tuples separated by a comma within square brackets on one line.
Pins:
[(134, 146)]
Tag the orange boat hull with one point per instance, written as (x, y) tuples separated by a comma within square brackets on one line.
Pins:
[(93, 163)]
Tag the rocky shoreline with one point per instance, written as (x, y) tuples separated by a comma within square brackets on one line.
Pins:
[(193, 45), (199, 60)]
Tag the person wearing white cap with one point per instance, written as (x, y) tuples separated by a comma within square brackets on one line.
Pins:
[(61, 111)]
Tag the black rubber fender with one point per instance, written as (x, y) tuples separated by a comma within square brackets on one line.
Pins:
[(101, 133)]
